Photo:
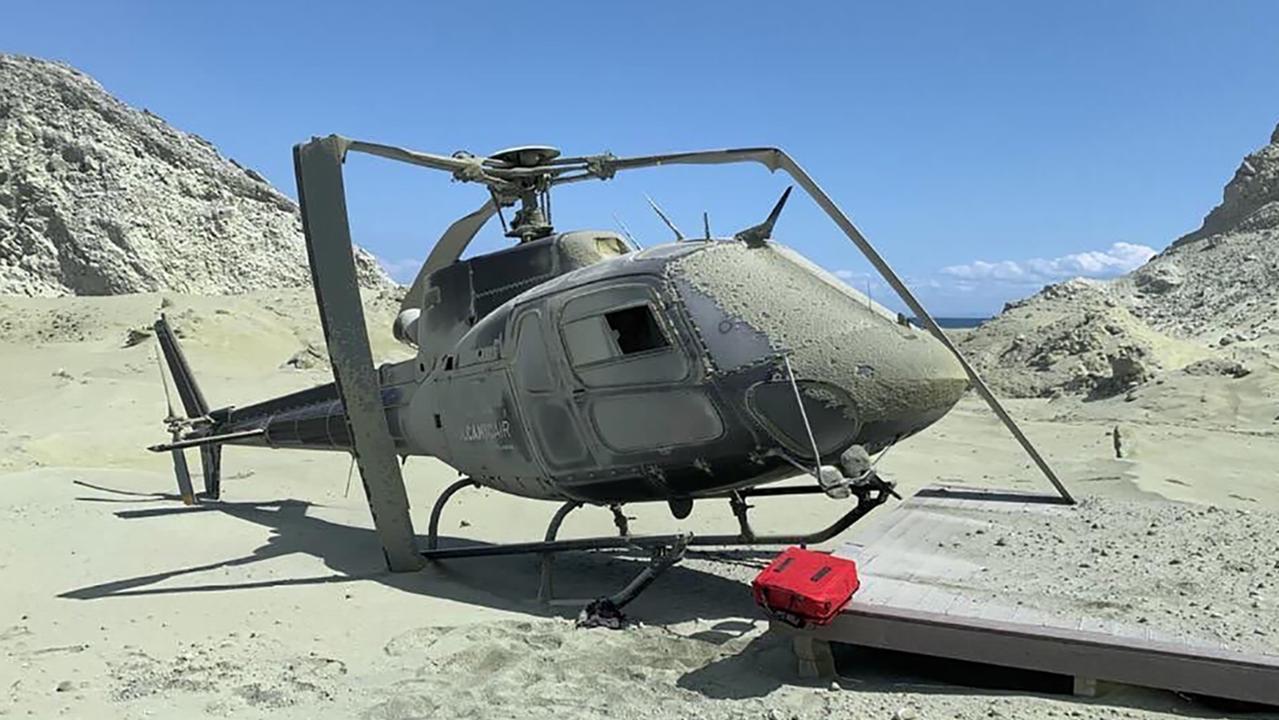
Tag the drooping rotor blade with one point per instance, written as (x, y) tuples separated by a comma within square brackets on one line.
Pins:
[(466, 168), (776, 159), (768, 156), (832, 210), (326, 227), (447, 250)]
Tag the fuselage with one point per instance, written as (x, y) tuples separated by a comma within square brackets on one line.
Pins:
[(577, 367)]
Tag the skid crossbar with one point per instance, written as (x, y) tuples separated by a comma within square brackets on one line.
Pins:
[(666, 549), (541, 546)]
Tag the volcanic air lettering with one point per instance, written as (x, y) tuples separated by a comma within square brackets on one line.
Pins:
[(487, 431)]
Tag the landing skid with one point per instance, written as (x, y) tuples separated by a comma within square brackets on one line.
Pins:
[(664, 550)]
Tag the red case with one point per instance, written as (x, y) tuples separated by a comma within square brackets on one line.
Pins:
[(804, 587)]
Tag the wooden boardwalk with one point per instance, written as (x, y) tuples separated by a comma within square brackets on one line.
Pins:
[(914, 599)]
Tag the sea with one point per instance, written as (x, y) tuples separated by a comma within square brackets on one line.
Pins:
[(955, 323)]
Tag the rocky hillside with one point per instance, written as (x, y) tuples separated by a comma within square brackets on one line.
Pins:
[(97, 198), (1251, 198), (1211, 299), (1220, 282)]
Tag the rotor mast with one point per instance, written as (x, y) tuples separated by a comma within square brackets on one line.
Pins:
[(533, 219)]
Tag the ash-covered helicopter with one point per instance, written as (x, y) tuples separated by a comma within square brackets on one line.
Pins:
[(577, 367)]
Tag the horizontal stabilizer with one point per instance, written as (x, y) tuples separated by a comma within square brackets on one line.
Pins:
[(207, 440)]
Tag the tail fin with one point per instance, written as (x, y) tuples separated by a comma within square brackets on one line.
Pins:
[(193, 402), (188, 391)]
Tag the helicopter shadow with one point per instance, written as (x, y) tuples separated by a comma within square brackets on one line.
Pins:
[(353, 554)]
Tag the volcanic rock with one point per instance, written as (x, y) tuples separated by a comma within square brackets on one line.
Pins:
[(98, 198)]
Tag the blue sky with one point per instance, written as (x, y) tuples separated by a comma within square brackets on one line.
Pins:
[(984, 147)]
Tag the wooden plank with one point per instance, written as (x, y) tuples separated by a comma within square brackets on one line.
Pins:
[(912, 600), (1254, 678)]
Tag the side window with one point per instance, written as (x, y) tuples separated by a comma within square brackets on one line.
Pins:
[(615, 337), (532, 370), (589, 341), (614, 334)]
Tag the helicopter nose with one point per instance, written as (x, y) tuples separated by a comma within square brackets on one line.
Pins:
[(858, 364), (900, 377), (897, 378)]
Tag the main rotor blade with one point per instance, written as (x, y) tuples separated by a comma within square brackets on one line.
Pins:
[(823, 200), (468, 168), (438, 162), (447, 250), (776, 159), (768, 156)]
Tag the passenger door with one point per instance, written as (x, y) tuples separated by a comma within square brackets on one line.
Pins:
[(544, 396), (636, 382)]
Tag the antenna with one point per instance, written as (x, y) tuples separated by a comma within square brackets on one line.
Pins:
[(626, 231), (706, 223), (755, 236), (678, 235)]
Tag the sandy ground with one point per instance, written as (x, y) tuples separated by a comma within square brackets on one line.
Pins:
[(116, 601)]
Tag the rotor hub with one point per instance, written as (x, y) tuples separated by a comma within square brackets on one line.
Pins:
[(526, 156), (533, 219)]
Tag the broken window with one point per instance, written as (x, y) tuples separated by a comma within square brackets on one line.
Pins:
[(614, 337), (635, 329), (614, 334)]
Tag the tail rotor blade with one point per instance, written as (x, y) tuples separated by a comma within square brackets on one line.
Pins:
[(183, 474), (180, 469), (164, 382)]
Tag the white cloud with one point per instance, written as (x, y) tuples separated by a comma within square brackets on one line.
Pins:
[(1120, 258)]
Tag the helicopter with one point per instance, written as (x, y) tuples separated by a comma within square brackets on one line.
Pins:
[(575, 366)]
